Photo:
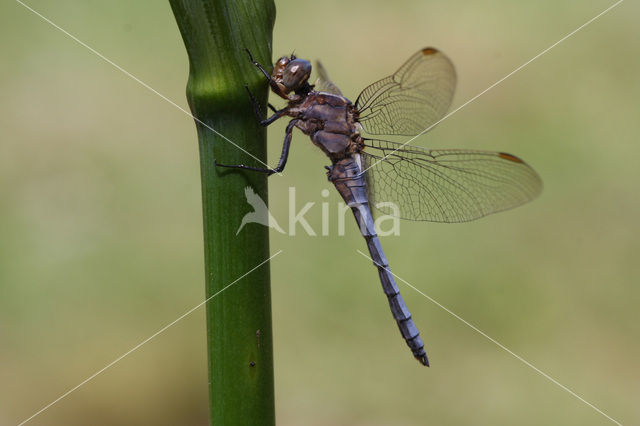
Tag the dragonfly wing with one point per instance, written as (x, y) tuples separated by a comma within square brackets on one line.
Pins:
[(412, 99), (452, 185), (324, 83)]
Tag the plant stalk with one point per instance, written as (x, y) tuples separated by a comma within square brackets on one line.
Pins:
[(239, 334)]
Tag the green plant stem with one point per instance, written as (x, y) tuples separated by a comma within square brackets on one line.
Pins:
[(239, 335)]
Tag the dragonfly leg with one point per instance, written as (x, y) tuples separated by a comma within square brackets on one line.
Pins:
[(258, 110), (285, 146), (283, 156), (242, 166), (272, 82), (257, 64)]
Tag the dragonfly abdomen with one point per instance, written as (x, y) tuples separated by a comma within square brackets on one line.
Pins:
[(399, 309), (350, 182)]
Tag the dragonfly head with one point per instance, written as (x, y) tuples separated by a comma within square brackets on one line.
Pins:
[(291, 74)]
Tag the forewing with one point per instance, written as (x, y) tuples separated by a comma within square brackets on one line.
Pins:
[(324, 83), (453, 185), (412, 99)]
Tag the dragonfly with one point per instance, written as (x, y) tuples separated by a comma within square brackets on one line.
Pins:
[(410, 182)]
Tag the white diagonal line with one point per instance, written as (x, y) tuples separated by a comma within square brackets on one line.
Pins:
[(500, 345), (88, 379), (133, 77), (498, 82)]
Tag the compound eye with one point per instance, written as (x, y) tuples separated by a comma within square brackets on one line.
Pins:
[(295, 70), (296, 73)]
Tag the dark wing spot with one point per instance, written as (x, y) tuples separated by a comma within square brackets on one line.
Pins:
[(429, 51), (510, 157)]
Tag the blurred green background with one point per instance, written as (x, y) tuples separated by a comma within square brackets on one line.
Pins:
[(101, 243)]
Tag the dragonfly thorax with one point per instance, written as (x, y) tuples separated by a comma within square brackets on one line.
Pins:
[(330, 121)]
